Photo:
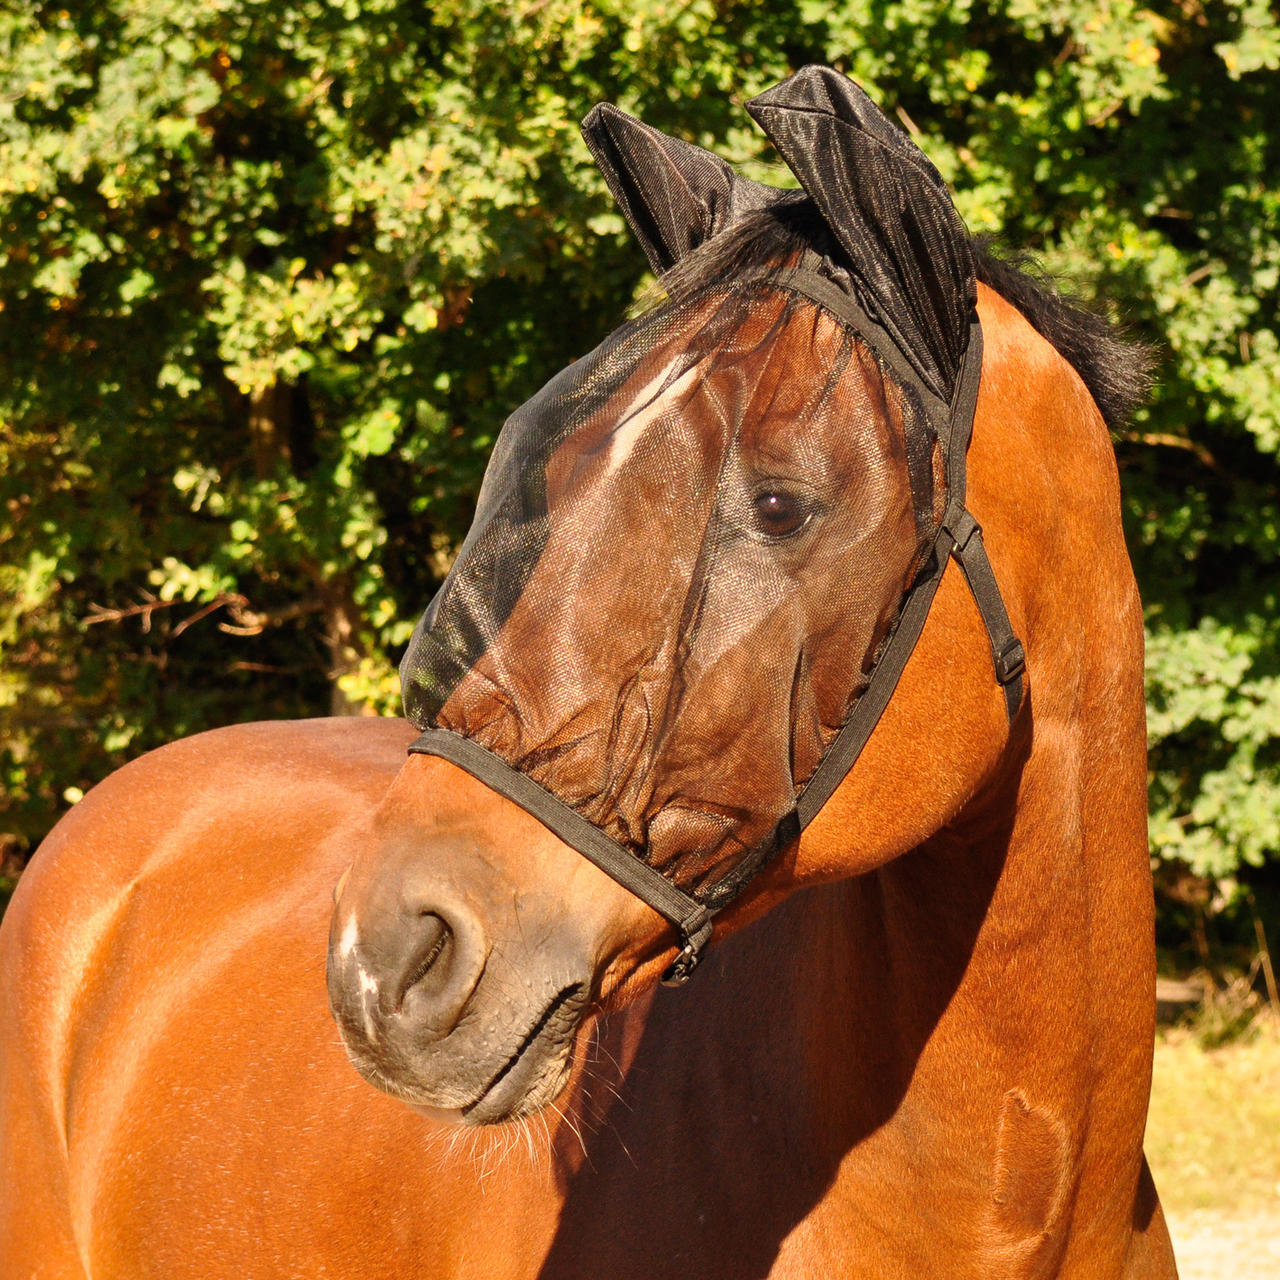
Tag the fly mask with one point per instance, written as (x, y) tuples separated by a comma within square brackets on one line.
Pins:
[(703, 553)]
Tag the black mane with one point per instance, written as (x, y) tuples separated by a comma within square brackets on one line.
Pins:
[(1116, 371)]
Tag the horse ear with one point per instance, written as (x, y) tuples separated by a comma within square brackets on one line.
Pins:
[(888, 208), (674, 195)]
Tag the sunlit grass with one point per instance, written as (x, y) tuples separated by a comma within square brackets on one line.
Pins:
[(1213, 1133)]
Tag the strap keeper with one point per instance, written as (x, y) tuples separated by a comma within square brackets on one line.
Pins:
[(1011, 661), (961, 529)]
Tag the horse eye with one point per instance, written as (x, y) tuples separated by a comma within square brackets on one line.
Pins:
[(778, 515)]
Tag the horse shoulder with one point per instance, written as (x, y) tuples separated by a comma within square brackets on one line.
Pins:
[(177, 808), (182, 855), (215, 814)]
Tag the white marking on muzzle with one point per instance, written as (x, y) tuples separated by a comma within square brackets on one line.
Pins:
[(368, 987), (347, 943)]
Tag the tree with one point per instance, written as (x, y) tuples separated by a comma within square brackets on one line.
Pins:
[(267, 270), (271, 275)]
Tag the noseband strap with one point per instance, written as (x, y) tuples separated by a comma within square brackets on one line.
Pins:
[(691, 918)]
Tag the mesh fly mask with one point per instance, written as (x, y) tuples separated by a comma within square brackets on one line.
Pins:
[(703, 553)]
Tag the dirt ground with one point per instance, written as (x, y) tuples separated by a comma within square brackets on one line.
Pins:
[(1213, 1244)]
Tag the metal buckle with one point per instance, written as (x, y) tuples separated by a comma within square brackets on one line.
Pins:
[(695, 932), (682, 967), (1011, 661), (962, 529)]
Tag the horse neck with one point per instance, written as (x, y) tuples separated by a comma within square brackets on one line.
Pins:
[(862, 1043), (788, 1021), (819, 1013), (879, 1038), (745, 1093)]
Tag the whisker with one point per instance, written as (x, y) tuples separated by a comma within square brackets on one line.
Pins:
[(576, 1132)]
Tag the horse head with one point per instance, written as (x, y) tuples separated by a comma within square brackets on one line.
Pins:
[(696, 552)]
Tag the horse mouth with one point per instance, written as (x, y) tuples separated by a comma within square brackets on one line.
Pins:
[(536, 1069)]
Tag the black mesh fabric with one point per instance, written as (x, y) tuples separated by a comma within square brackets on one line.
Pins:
[(689, 549)]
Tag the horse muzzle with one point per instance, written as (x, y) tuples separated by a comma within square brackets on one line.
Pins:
[(464, 1008)]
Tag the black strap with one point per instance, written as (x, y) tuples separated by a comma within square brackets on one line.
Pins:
[(691, 918), (847, 746), (1007, 654)]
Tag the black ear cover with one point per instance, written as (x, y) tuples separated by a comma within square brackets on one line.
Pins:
[(674, 195), (889, 210)]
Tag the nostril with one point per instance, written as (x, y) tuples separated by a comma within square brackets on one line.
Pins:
[(434, 940)]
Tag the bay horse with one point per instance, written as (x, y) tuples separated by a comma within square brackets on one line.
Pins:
[(920, 1042)]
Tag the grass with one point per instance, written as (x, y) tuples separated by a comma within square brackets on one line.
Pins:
[(1213, 1132)]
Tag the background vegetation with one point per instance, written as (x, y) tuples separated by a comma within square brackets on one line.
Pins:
[(272, 272)]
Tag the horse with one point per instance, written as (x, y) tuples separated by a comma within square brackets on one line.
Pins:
[(920, 1040)]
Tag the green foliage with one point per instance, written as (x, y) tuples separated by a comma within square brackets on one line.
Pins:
[(272, 273)]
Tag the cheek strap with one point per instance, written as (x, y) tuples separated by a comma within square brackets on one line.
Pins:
[(1007, 654)]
